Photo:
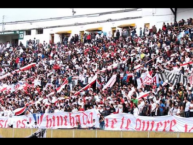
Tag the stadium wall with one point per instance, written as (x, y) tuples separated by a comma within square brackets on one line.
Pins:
[(23, 133)]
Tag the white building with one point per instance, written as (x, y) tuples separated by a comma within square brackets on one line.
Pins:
[(54, 29)]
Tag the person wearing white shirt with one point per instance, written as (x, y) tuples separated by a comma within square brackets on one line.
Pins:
[(74, 110), (191, 108), (136, 110), (140, 106), (96, 97), (89, 79), (175, 110), (187, 107), (93, 125), (47, 109), (6, 112), (153, 106), (178, 111), (97, 36), (8, 45), (81, 103)]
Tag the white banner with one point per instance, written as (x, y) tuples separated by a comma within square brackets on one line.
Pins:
[(141, 123), (69, 119), (3, 122), (53, 120), (121, 121)]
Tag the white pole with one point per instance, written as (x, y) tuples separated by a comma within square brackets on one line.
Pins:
[(3, 23)]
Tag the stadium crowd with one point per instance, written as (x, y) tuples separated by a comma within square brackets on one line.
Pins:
[(75, 63)]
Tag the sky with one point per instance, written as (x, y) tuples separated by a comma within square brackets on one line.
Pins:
[(18, 14)]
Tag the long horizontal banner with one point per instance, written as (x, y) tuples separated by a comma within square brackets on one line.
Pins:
[(123, 121), (145, 123), (53, 120)]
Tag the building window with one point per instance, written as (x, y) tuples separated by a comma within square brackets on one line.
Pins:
[(39, 31), (28, 32)]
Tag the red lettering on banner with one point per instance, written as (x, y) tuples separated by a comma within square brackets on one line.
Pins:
[(106, 122), (78, 118), (23, 123), (138, 129), (18, 123), (72, 123), (143, 124), (48, 122), (30, 120), (128, 123), (159, 124), (165, 124), (122, 122), (152, 125), (91, 117), (186, 128), (53, 118), (1, 125), (113, 122), (147, 126), (172, 124), (59, 120), (65, 120), (190, 129), (6, 123), (87, 120)]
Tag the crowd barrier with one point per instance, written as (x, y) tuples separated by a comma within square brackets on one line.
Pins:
[(57, 133)]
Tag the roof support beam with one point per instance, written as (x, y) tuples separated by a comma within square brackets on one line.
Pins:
[(174, 11)]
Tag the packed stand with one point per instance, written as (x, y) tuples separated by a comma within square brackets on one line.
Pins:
[(77, 63)]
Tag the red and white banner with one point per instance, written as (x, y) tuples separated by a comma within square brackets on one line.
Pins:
[(129, 122), (5, 76), (69, 119), (59, 89), (146, 79), (185, 64), (111, 82), (87, 86), (121, 121), (53, 120), (27, 67), (143, 95)]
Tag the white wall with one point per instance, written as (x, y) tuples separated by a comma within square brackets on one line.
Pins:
[(184, 13), (152, 16), (157, 16), (71, 21)]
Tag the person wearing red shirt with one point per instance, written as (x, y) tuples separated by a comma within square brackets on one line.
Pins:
[(89, 38), (80, 108), (17, 61)]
